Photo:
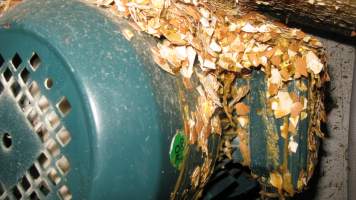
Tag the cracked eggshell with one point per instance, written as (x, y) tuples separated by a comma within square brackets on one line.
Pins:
[(313, 62)]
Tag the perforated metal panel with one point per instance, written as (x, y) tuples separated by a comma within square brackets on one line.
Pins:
[(43, 120), (88, 114)]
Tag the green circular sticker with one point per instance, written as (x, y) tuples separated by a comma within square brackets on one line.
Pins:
[(177, 150)]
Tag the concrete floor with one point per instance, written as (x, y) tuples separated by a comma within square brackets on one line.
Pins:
[(330, 181)]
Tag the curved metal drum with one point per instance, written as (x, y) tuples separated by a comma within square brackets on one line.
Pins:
[(85, 113)]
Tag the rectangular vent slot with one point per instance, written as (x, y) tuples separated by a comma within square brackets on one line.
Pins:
[(35, 61), (33, 171), (42, 132), (7, 74), (53, 176), (44, 188), (25, 74), (25, 183), (33, 118), (43, 104), (2, 191), (15, 89), (1, 88), (16, 61), (16, 192), (53, 148), (24, 103), (34, 89), (64, 106), (34, 196), (63, 137), (64, 193), (44, 160), (2, 60), (63, 165), (53, 119)]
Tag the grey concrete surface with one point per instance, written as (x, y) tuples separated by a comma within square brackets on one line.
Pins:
[(331, 183)]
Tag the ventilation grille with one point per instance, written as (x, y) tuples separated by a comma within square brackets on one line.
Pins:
[(47, 174)]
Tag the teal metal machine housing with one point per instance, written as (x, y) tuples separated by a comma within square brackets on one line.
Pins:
[(85, 113)]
